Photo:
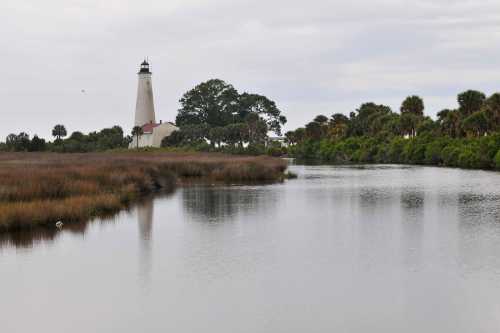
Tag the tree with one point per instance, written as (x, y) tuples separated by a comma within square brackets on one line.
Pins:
[(195, 134), (413, 105), (313, 130), (290, 138), (264, 107), (137, 131), (212, 102), (173, 140), (23, 142), (321, 119), (37, 144), (78, 136), (257, 128), (492, 111), (110, 138), (299, 134), (427, 125), (11, 141), (409, 123), (364, 120), (217, 104), (338, 126), (449, 122), (476, 124), (216, 136), (59, 132), (339, 118), (236, 134), (337, 130), (469, 102)]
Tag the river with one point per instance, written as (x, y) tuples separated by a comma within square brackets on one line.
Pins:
[(340, 249)]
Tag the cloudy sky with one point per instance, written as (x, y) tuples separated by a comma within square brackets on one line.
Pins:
[(311, 57)]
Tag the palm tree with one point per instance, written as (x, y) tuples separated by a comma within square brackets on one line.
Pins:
[(137, 131), (413, 105), (492, 111), (59, 132), (450, 122), (470, 101), (476, 124)]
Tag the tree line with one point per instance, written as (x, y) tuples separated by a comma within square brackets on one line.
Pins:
[(77, 142), (468, 136)]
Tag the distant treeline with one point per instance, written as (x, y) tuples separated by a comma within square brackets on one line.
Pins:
[(77, 142), (467, 137)]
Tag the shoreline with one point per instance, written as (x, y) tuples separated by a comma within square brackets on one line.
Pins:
[(353, 164)]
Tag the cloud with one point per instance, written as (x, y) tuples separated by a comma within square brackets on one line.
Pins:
[(311, 57)]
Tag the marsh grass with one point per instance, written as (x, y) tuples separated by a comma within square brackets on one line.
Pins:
[(38, 189)]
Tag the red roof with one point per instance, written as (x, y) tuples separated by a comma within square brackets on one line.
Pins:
[(148, 128)]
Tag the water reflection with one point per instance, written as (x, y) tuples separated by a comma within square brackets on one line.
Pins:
[(145, 223), (388, 249), (31, 238), (412, 226), (479, 230), (222, 203), (412, 199), (27, 238)]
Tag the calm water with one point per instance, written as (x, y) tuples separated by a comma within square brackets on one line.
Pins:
[(341, 249)]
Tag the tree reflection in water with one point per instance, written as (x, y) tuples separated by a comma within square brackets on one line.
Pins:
[(222, 203)]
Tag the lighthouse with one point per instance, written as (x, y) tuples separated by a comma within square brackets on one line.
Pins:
[(144, 107), (153, 133)]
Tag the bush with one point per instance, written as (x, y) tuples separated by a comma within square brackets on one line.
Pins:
[(450, 156), (433, 152)]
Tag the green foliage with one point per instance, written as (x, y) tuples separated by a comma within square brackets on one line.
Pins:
[(37, 144), (476, 124), (217, 104), (106, 139), (215, 116), (477, 153), (77, 142), (468, 137), (22, 142), (59, 131), (470, 101), (210, 103), (497, 160), (413, 105)]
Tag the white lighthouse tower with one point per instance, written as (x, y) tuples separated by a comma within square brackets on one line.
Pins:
[(144, 107), (152, 133)]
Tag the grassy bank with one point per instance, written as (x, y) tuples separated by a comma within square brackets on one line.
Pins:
[(42, 188)]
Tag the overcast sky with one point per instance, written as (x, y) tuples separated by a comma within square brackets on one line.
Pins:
[(311, 57)]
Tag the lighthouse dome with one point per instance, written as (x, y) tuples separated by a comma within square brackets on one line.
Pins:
[(144, 67)]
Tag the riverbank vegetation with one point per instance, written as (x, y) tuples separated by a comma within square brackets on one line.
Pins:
[(467, 137), (43, 188)]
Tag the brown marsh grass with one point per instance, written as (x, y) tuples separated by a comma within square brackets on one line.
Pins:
[(39, 189)]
